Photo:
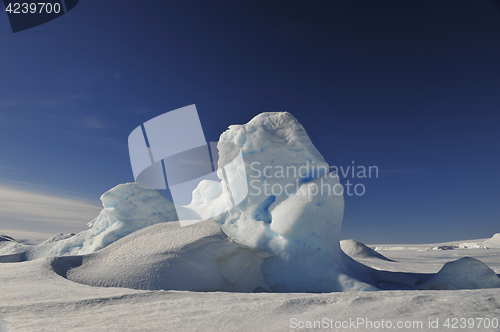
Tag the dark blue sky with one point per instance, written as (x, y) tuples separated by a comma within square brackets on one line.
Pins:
[(412, 87)]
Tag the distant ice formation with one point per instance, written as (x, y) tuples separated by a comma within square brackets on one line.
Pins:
[(494, 242)]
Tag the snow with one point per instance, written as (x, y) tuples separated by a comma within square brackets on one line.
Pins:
[(58, 237), (494, 242), (464, 273), (6, 238), (136, 268), (167, 256), (34, 298), (269, 143), (356, 249)]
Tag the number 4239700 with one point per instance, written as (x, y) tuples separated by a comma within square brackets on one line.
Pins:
[(32, 8)]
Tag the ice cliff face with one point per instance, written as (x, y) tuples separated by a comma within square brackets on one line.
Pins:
[(284, 207)]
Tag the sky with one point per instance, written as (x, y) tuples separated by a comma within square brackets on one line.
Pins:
[(412, 87)]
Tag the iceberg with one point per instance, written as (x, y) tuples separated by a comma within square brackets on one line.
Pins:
[(282, 236), (293, 209)]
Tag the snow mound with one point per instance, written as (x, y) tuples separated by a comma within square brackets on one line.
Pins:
[(126, 209), (356, 249), (10, 251), (166, 256), (494, 242), (464, 273)]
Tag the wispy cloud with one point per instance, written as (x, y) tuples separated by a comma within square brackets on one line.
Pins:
[(4, 170), (93, 122), (35, 213), (23, 110), (62, 100), (8, 103), (139, 110), (32, 186), (59, 100), (110, 142)]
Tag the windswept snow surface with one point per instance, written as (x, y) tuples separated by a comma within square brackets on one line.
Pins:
[(34, 298)]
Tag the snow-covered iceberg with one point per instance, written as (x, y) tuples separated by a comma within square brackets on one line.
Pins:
[(293, 209), (284, 235)]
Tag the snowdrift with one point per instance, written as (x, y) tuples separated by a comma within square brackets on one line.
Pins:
[(283, 237), (356, 249), (464, 273), (166, 256)]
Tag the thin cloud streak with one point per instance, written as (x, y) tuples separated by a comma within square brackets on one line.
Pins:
[(34, 214), (5, 170), (33, 185), (93, 122)]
